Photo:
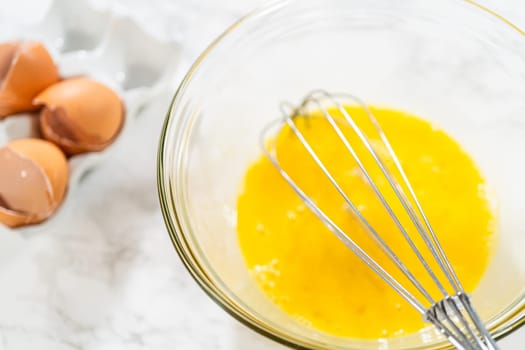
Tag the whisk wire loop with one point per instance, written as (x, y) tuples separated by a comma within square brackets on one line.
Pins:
[(432, 242), (432, 245), (374, 187), (453, 315), (361, 219)]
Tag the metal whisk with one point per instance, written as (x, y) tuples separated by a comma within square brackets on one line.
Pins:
[(453, 314)]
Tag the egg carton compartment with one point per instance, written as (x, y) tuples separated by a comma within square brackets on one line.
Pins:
[(112, 49), (71, 26)]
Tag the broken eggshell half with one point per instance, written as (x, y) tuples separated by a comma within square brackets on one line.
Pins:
[(33, 181), (26, 68), (80, 115)]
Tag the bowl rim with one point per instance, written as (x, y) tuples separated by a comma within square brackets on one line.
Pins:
[(179, 240)]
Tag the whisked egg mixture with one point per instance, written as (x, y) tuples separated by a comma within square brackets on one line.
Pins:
[(309, 273)]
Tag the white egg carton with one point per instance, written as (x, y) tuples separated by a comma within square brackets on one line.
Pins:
[(107, 47)]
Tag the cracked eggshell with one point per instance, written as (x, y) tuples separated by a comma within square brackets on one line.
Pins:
[(26, 68), (33, 181), (80, 115)]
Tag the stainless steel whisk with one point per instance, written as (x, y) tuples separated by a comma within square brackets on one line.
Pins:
[(453, 314)]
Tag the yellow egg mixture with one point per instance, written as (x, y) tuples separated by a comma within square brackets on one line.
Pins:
[(309, 273)]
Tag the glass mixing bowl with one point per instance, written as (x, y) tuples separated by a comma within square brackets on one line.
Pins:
[(453, 62)]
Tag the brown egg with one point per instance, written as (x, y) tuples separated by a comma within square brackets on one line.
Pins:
[(26, 68), (33, 181), (80, 115)]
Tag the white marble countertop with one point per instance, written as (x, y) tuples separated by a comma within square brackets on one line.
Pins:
[(108, 278)]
